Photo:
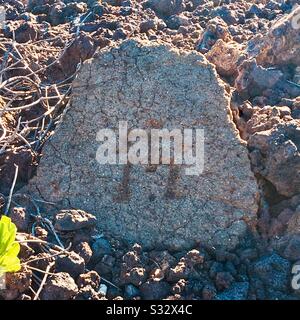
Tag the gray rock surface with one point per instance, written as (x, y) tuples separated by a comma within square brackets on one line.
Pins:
[(151, 86)]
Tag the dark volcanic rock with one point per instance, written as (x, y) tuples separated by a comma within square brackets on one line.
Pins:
[(274, 271), (166, 7), (60, 286), (154, 290), (72, 263), (20, 217), (275, 156), (90, 278), (238, 291)]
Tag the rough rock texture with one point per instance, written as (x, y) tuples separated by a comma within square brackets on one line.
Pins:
[(90, 278), (166, 7), (151, 86), (273, 270), (84, 250), (16, 284), (254, 80), (225, 56), (274, 152), (72, 264), (281, 45), (70, 220), (216, 29), (59, 287), (20, 218), (238, 291), (153, 290)]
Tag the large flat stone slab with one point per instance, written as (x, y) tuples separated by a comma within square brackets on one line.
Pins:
[(151, 86)]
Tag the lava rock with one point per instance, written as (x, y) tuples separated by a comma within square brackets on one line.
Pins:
[(90, 278), (80, 50), (179, 287), (20, 218), (84, 250), (155, 290), (181, 271), (131, 259), (223, 280), (131, 291), (226, 56), (215, 29), (16, 283), (238, 291), (27, 31), (166, 7), (281, 45), (60, 286), (209, 292), (72, 263), (147, 25), (292, 250), (275, 156), (71, 220), (273, 271), (135, 276), (176, 21), (164, 259), (105, 266), (229, 205), (101, 247), (87, 293)]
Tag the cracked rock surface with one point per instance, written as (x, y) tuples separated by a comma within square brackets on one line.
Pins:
[(151, 86)]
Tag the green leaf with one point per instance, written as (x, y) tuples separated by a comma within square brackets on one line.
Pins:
[(9, 248)]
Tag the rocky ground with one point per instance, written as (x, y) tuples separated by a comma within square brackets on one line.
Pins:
[(255, 47)]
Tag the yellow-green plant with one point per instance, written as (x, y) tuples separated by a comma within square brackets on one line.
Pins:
[(9, 248)]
